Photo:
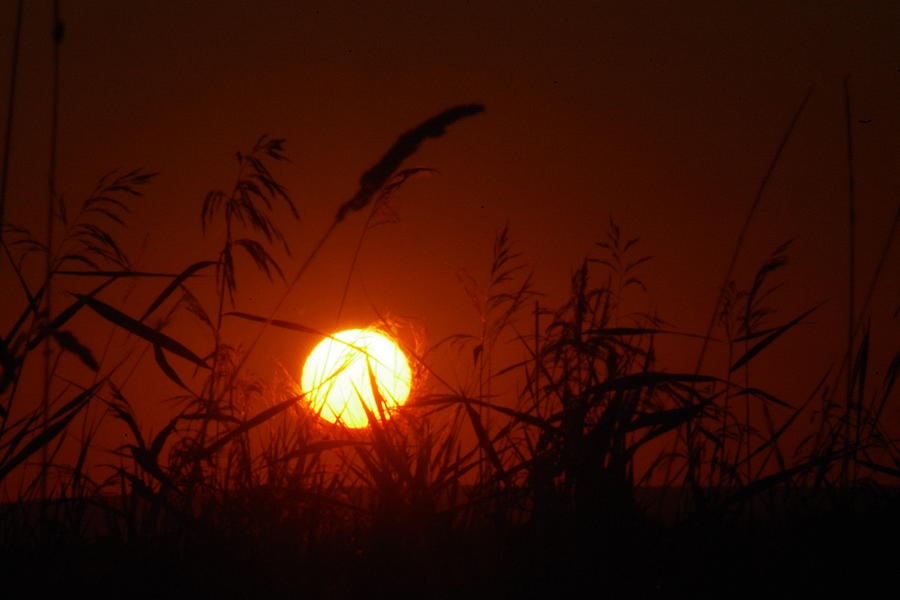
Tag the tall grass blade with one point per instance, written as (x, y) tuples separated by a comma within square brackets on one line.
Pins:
[(462, 400), (174, 284), (778, 332), (68, 342), (484, 440), (56, 424), (739, 244), (277, 323), (244, 427), (10, 114), (319, 447), (166, 368), (764, 395), (139, 329), (760, 485)]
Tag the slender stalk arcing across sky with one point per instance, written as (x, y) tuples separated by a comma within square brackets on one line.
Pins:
[(405, 146), (373, 180)]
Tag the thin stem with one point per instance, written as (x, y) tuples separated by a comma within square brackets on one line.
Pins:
[(57, 34), (851, 267), (10, 113), (290, 287), (739, 244), (537, 353), (354, 260)]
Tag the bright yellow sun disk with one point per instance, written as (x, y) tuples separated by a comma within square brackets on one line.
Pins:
[(336, 375)]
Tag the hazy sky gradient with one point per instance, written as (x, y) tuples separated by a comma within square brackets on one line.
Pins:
[(663, 116)]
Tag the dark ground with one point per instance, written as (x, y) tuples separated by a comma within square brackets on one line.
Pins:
[(844, 548)]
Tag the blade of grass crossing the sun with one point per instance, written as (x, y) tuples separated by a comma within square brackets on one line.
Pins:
[(380, 402), (370, 183), (384, 444)]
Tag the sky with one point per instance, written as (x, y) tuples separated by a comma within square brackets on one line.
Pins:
[(661, 115)]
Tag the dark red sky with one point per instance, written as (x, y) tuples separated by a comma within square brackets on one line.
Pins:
[(664, 116)]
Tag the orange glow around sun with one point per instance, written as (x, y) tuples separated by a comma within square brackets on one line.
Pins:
[(336, 379)]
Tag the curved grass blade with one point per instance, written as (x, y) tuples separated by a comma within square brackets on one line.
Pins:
[(764, 395), (383, 444), (761, 485), (639, 331), (665, 419), (277, 323), (57, 424), (880, 468), (115, 274), (774, 437), (890, 378), (174, 285), (123, 413), (139, 329), (246, 426), (34, 304), (167, 368), (651, 379), (769, 339), (63, 317), (515, 414), (68, 342), (484, 440), (9, 367), (319, 447)]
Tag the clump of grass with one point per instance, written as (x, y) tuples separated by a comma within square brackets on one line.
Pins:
[(244, 474)]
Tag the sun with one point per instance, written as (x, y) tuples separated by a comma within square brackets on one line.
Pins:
[(336, 377)]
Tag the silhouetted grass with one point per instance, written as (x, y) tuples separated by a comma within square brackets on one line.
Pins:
[(574, 478)]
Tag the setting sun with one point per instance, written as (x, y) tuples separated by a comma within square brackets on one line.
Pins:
[(336, 375)]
